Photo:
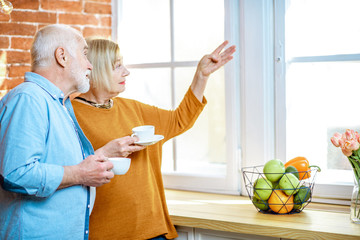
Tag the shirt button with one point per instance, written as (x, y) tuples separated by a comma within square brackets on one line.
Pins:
[(89, 206), (86, 231)]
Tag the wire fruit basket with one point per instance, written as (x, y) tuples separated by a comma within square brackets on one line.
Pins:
[(269, 197)]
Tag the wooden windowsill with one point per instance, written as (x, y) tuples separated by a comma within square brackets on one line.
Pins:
[(237, 214)]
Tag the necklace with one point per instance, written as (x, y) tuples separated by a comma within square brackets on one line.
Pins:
[(107, 105)]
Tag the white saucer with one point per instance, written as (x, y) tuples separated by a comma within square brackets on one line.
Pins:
[(151, 142)]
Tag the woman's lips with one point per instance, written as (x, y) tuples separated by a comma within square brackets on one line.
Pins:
[(123, 83)]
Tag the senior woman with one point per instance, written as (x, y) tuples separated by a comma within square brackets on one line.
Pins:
[(133, 206)]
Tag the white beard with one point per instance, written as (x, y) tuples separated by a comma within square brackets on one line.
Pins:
[(82, 80)]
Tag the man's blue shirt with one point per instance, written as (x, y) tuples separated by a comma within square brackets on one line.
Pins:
[(39, 135)]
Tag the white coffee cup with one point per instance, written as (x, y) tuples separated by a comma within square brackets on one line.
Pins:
[(144, 133), (121, 165)]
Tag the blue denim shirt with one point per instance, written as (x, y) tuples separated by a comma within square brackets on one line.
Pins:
[(39, 135)]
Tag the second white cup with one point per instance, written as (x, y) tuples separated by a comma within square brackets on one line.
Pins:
[(144, 133)]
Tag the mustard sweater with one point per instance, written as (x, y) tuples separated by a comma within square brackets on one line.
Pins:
[(133, 206)]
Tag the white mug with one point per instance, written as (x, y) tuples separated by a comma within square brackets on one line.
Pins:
[(144, 133), (121, 165)]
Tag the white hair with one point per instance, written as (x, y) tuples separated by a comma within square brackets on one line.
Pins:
[(48, 39)]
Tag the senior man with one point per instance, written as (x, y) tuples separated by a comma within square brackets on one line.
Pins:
[(46, 162)]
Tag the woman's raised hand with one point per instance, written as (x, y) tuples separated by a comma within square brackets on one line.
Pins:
[(218, 58)]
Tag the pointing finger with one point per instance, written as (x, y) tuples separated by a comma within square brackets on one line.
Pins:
[(220, 48)]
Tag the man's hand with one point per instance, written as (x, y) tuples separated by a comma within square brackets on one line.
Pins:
[(93, 171)]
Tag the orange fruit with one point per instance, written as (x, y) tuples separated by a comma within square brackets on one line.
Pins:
[(279, 202)]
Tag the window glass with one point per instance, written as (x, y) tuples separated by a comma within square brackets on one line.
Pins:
[(321, 97), (198, 28), (321, 100), (144, 32), (205, 141), (322, 27), (150, 86), (146, 36)]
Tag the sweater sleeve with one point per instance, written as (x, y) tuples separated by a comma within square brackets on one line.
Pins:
[(175, 122)]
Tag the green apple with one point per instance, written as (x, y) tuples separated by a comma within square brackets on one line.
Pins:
[(260, 204), (303, 195), (262, 189), (274, 169), (289, 184), (293, 170), (298, 206)]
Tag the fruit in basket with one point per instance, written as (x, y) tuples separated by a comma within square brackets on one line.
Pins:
[(302, 166), (303, 195), (262, 188), (261, 204), (279, 202), (274, 169), (276, 185), (293, 170), (289, 184)]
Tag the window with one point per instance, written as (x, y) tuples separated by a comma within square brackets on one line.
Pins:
[(161, 42), (322, 45), (276, 99)]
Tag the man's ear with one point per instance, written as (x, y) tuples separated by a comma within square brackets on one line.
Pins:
[(60, 56)]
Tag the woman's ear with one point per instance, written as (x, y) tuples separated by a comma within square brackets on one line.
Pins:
[(60, 56)]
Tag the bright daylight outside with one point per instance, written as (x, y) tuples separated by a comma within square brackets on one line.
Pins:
[(162, 52), (322, 82)]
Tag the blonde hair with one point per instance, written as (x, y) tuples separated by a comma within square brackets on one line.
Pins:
[(102, 54), (48, 39)]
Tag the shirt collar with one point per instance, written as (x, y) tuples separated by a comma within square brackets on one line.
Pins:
[(45, 84)]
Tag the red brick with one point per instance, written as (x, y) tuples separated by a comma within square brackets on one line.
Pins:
[(4, 17), (7, 84), (4, 42), (18, 71), (66, 6), (21, 43), (36, 17), (102, 1), (17, 29), (26, 4), (102, 8), (18, 57), (78, 19), (105, 21), (104, 32), (40, 25)]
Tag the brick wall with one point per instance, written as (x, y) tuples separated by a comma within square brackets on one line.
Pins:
[(91, 17)]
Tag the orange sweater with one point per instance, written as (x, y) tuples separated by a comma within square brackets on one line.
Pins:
[(133, 206)]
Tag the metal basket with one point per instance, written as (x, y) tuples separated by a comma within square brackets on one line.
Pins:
[(305, 186)]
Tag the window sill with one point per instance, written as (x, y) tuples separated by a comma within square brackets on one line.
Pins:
[(237, 214)]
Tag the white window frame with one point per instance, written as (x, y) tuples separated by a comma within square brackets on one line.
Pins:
[(228, 184)]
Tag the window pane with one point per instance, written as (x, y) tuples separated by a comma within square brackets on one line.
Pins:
[(198, 28), (201, 149), (321, 100), (144, 34), (150, 86), (322, 27)]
